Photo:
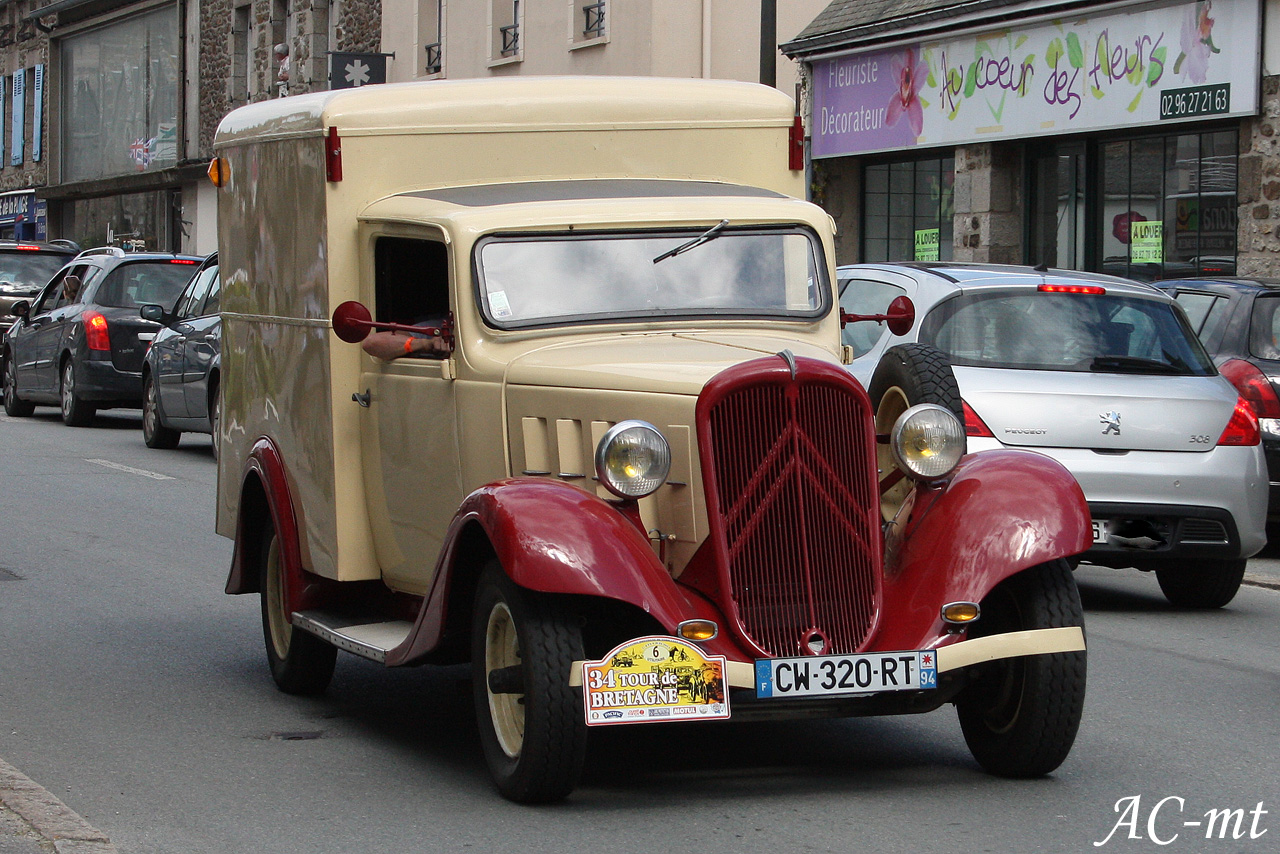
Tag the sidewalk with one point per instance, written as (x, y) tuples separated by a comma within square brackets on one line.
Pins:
[(33, 821), (18, 837)]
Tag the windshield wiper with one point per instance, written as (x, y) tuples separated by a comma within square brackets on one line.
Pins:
[(710, 234), (1132, 364)]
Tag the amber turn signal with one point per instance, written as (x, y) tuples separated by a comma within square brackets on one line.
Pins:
[(218, 172), (697, 630), (960, 613)]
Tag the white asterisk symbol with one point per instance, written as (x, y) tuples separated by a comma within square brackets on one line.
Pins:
[(357, 73)]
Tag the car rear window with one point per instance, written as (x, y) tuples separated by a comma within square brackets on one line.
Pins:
[(28, 267), (1264, 327), (144, 283), (1034, 330)]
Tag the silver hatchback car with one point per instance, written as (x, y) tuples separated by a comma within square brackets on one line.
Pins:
[(1106, 376)]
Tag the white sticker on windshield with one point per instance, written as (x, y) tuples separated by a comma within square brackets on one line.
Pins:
[(498, 305)]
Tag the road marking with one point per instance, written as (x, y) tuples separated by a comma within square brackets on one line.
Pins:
[(130, 469)]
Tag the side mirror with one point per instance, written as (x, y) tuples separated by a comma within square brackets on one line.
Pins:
[(21, 308), (152, 312), (900, 317), (352, 322)]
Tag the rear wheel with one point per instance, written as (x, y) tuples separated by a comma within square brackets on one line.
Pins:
[(1020, 716), (300, 662), (76, 412), (14, 406), (532, 727), (1201, 583), (907, 374), (154, 433)]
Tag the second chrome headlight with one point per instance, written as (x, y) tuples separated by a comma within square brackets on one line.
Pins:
[(927, 441), (633, 459)]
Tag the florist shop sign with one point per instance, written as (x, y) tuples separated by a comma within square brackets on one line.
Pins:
[(1144, 67)]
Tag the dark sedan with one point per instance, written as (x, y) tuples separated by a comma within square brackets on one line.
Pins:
[(1238, 321), (81, 344), (180, 374)]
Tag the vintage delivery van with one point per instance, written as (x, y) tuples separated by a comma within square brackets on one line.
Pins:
[(628, 478)]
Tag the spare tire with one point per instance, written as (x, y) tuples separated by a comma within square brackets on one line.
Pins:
[(908, 374)]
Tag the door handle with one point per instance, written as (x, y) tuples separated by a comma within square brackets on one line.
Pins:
[(362, 399)]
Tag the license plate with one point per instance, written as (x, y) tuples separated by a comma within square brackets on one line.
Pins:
[(866, 673), (1099, 531)]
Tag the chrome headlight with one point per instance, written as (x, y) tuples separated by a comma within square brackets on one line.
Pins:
[(927, 441), (633, 459)]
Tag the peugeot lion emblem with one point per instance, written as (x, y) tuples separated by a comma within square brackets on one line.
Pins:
[(1112, 420)]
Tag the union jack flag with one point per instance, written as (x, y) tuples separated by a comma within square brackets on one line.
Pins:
[(142, 152)]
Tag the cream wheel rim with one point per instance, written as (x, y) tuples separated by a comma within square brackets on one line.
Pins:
[(502, 649), (892, 404), (279, 626)]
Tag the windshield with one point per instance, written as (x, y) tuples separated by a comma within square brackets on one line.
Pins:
[(143, 283), (24, 267), (1098, 333), (537, 280)]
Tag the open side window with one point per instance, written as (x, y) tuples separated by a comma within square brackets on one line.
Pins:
[(411, 282)]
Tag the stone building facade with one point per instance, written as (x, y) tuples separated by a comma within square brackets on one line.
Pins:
[(24, 47)]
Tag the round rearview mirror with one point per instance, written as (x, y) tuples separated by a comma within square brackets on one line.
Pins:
[(351, 322), (901, 315)]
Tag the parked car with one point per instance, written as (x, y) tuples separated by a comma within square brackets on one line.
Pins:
[(1106, 376), (80, 345), (1238, 323), (181, 369), (25, 268)]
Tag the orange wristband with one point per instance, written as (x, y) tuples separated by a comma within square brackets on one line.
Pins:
[(408, 345)]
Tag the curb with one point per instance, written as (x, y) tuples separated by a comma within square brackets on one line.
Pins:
[(50, 817), (1262, 581)]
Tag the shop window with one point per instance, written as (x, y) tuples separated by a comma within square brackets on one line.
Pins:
[(121, 88), (1057, 226), (908, 210)]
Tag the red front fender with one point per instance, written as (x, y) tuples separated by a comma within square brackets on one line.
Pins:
[(555, 538), (1003, 511)]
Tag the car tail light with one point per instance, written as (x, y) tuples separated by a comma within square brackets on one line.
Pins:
[(1253, 386), (1072, 289), (95, 331), (1242, 429), (973, 425), (183, 261), (27, 248)]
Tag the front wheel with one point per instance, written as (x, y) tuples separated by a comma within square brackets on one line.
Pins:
[(1020, 716), (531, 722), (300, 662), (76, 412), (14, 406), (154, 433), (1201, 583)]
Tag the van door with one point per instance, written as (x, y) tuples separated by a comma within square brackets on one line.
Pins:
[(410, 427)]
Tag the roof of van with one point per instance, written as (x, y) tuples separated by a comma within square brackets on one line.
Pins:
[(509, 103)]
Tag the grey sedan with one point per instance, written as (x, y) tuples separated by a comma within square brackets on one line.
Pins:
[(1105, 376)]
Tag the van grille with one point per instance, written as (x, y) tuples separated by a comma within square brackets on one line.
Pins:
[(789, 463)]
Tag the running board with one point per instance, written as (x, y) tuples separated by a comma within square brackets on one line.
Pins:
[(365, 639)]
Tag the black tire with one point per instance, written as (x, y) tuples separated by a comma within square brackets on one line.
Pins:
[(300, 662), (534, 743), (215, 416), (76, 411), (1201, 584), (908, 374), (154, 433), (14, 406), (1020, 715)]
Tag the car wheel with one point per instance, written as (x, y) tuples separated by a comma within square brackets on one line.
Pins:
[(1201, 583), (908, 374), (14, 406), (300, 662), (1020, 715), (534, 739), (154, 433), (76, 412), (215, 418)]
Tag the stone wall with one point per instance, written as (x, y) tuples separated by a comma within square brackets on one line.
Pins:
[(988, 206), (23, 45), (1258, 234), (215, 70)]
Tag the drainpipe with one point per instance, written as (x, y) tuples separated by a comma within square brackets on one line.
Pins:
[(769, 42), (706, 38)]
